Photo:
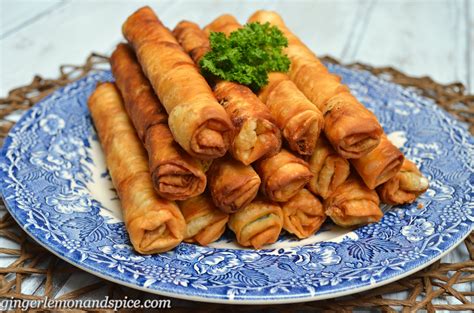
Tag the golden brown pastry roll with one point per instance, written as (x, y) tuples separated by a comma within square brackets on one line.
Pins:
[(204, 222), (300, 121), (141, 103), (257, 224), (225, 23), (329, 169), (194, 41), (153, 224), (351, 128), (380, 164), (233, 185), (283, 175), (352, 203), (303, 214), (175, 174), (255, 135), (405, 186), (198, 123)]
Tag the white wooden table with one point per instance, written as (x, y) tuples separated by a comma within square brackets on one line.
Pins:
[(421, 37)]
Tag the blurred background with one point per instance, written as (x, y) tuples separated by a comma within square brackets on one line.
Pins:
[(419, 37)]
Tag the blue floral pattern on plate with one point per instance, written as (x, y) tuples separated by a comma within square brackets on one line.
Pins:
[(55, 184)]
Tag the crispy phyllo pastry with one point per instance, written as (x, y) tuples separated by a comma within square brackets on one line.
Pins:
[(140, 101), (405, 186), (303, 214), (204, 222), (193, 39), (329, 169), (283, 175), (380, 164), (255, 133), (175, 174), (233, 185), (351, 129), (300, 121), (257, 224), (153, 223), (225, 23), (198, 122), (353, 204)]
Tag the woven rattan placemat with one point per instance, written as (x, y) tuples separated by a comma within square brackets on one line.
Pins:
[(418, 291)]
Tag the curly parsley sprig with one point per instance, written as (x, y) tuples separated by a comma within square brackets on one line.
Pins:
[(247, 55)]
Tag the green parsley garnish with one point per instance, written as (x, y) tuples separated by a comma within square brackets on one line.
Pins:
[(247, 55)]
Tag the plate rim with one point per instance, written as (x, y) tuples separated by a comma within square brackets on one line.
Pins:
[(203, 299)]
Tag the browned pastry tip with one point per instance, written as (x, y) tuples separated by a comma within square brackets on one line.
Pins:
[(405, 186), (353, 204)]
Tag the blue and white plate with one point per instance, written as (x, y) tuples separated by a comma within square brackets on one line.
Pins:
[(55, 184)]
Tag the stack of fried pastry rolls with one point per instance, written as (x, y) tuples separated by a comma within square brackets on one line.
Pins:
[(197, 121), (256, 135), (287, 157), (351, 129), (175, 174), (153, 223), (354, 133), (300, 121)]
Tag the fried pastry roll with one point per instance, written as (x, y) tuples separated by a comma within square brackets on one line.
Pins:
[(351, 128), (153, 224), (140, 101), (303, 214), (380, 164), (204, 222), (198, 123), (405, 186), (175, 174), (255, 135), (300, 121), (283, 175), (193, 39), (225, 23), (233, 185), (353, 204), (329, 169), (257, 224)]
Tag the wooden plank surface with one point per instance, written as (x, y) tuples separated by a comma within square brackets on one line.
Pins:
[(421, 37), (24, 14), (66, 36)]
